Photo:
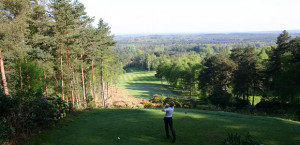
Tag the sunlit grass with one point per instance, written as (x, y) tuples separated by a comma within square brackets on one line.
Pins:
[(145, 126), (143, 84)]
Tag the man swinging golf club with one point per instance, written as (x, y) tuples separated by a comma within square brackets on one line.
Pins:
[(169, 108)]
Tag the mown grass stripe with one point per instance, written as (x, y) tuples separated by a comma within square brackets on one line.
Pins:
[(143, 84)]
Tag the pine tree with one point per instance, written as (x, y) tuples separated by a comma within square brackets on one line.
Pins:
[(14, 16), (274, 65), (103, 42)]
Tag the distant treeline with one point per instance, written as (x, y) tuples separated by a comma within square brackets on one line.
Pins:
[(130, 48)]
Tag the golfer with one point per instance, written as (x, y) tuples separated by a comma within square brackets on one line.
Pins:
[(169, 108)]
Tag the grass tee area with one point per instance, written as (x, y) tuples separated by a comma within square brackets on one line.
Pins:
[(145, 126)]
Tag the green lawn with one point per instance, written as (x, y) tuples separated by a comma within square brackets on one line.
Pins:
[(145, 126), (143, 84)]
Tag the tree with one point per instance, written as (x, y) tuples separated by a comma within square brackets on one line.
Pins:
[(14, 16), (70, 19), (248, 73), (103, 42), (217, 71), (274, 65)]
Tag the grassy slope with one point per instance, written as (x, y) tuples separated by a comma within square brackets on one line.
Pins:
[(142, 127), (143, 84)]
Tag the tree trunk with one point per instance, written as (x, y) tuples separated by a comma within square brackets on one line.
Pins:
[(21, 78), (191, 89), (107, 89), (94, 94), (46, 88), (247, 94), (91, 89), (102, 83), (62, 76), (111, 88), (4, 83), (78, 93), (253, 96), (73, 89), (83, 84)]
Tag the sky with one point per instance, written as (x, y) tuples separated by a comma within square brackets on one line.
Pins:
[(194, 16)]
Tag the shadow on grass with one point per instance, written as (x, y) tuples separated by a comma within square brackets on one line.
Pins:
[(142, 127), (145, 78)]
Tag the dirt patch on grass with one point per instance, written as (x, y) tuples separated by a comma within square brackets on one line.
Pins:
[(120, 98)]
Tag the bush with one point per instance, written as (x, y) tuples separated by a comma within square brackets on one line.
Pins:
[(187, 104), (219, 97), (6, 104), (157, 99), (90, 101), (5, 130), (40, 112), (240, 103), (298, 115), (168, 100), (61, 107), (207, 107), (19, 116), (148, 105), (267, 104), (236, 139), (178, 104)]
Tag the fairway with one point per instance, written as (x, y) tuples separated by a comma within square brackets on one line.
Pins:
[(143, 84), (145, 127)]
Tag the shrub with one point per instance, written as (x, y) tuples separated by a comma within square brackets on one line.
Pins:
[(219, 97), (61, 107), (90, 101), (40, 112), (6, 104), (201, 107), (236, 139), (159, 105), (31, 74), (240, 103), (298, 115), (178, 104), (5, 130), (157, 99), (207, 107), (168, 100), (187, 104), (148, 105), (19, 116), (268, 107), (267, 104)]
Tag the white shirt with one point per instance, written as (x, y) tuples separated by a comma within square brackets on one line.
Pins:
[(169, 111)]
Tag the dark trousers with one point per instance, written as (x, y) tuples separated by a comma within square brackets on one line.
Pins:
[(169, 122)]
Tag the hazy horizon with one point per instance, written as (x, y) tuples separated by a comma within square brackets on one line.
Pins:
[(191, 33), (195, 16)]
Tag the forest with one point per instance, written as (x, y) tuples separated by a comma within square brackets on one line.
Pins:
[(52, 58)]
